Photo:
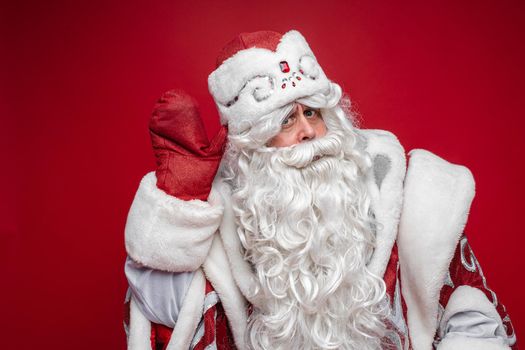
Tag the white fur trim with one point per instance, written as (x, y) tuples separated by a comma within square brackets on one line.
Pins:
[(250, 71), (139, 328), (438, 195), (388, 198), (467, 298), (218, 271), (190, 314), (241, 269), (166, 233), (465, 343)]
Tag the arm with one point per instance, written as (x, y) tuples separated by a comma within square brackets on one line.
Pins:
[(172, 221), (173, 217), (167, 233), (473, 317)]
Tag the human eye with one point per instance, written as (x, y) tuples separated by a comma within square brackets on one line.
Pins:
[(311, 113), (288, 121)]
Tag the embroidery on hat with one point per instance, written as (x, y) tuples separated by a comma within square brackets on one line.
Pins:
[(308, 67), (264, 87)]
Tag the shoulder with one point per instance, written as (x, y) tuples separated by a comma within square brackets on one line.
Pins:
[(429, 193), (385, 187)]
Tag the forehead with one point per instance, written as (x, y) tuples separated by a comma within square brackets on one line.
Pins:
[(298, 106)]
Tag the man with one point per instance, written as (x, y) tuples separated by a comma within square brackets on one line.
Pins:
[(314, 234)]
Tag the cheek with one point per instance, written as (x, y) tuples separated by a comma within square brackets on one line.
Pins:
[(320, 129), (282, 140)]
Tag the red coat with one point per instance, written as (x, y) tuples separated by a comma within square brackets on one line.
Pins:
[(428, 268)]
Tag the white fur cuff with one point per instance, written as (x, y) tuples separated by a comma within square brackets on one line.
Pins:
[(166, 233)]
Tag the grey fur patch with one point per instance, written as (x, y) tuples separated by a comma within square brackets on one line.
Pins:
[(382, 165)]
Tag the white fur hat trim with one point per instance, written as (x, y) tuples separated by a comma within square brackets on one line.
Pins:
[(252, 83)]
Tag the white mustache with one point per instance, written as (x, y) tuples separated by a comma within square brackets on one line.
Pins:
[(303, 154)]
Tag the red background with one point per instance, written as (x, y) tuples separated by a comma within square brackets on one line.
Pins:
[(79, 80)]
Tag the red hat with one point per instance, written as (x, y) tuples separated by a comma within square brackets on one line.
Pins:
[(260, 72), (264, 39)]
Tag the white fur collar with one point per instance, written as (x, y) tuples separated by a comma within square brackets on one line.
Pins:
[(385, 185), (241, 269), (437, 201)]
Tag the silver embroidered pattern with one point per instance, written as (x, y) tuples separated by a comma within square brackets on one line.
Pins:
[(397, 319), (511, 339), (259, 94), (470, 266), (474, 265), (211, 299), (448, 280), (309, 67), (198, 334)]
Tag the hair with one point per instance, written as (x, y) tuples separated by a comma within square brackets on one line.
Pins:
[(305, 221)]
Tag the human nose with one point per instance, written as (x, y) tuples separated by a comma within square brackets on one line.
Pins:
[(306, 130)]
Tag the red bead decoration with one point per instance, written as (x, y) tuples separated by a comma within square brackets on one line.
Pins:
[(298, 78), (285, 68), (283, 86)]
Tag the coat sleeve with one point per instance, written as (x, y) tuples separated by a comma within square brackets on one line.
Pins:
[(471, 317), (169, 234)]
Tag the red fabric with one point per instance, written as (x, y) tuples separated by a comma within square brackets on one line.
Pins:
[(263, 39), (224, 336), (391, 278), (460, 276), (160, 336), (186, 161)]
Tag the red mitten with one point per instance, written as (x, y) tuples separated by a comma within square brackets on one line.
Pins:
[(186, 161)]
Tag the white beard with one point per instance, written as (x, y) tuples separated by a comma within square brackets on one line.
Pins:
[(306, 225)]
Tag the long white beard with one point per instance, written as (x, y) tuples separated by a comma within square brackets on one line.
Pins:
[(306, 226)]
